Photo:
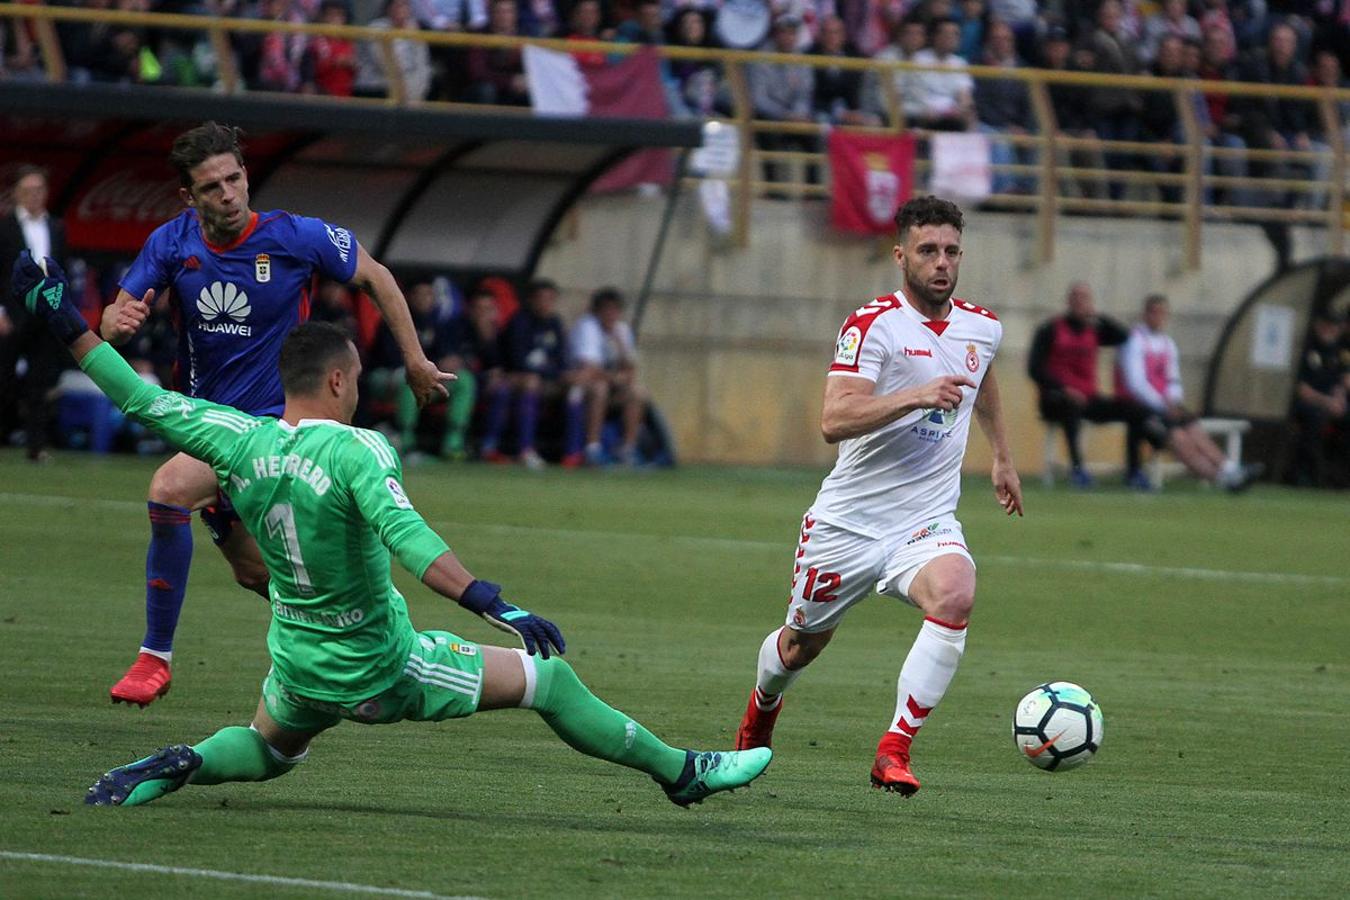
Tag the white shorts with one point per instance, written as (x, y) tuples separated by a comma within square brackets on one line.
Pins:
[(835, 567)]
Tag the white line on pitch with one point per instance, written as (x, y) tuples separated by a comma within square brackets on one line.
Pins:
[(342, 887), (1085, 565)]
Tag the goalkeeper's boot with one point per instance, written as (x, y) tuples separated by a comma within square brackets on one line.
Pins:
[(891, 771), (757, 724), (146, 681), (708, 773), (146, 779)]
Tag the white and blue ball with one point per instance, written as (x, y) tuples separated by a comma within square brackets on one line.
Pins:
[(1057, 726)]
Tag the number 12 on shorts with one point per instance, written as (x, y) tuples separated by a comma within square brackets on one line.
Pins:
[(820, 586)]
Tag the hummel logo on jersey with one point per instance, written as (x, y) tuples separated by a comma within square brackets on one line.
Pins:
[(224, 308), (910, 351)]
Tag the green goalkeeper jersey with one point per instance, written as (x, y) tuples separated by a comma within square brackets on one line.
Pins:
[(325, 503)]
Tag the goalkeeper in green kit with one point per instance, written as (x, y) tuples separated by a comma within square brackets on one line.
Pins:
[(325, 502)]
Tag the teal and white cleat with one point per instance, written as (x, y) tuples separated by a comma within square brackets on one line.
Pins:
[(146, 779), (714, 771)]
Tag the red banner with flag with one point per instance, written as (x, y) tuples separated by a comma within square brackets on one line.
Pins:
[(873, 175)]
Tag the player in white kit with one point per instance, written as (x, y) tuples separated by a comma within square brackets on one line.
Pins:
[(910, 369)]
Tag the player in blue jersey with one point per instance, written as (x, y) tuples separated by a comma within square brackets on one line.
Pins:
[(240, 281)]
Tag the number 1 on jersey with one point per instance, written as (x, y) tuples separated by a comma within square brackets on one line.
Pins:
[(281, 524)]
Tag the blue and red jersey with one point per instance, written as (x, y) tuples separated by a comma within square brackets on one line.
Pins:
[(235, 304)]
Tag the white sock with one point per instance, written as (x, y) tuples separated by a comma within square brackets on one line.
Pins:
[(927, 672), (774, 677)]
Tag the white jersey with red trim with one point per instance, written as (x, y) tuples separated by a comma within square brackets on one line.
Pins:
[(910, 470)]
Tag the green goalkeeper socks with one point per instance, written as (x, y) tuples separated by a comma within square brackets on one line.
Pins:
[(239, 754), (590, 725)]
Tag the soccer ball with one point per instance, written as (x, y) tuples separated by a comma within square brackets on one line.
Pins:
[(1057, 726)]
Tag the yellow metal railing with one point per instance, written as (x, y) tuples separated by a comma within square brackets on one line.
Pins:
[(1052, 169)]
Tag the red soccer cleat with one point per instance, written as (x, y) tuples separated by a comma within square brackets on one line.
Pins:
[(757, 725), (891, 771), (573, 460), (496, 457), (146, 681)]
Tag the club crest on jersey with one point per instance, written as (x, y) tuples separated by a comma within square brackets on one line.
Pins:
[(262, 268), (846, 350), (972, 358)]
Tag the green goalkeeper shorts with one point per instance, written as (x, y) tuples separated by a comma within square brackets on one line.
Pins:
[(443, 679)]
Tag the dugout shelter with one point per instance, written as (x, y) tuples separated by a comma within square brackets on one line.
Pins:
[(425, 191)]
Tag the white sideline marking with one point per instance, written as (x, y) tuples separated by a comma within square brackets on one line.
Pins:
[(785, 546), (336, 886)]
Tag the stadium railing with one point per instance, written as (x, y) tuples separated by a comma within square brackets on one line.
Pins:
[(1058, 186)]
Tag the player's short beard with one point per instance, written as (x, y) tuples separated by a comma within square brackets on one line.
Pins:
[(918, 292)]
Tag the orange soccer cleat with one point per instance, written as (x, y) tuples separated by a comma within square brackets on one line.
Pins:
[(145, 682), (891, 771)]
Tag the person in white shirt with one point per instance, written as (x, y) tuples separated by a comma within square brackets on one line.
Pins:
[(947, 97), (1148, 371), (910, 371), (603, 355)]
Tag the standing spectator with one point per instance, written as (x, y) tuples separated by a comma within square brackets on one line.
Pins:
[(473, 352), (497, 74), (386, 373), (1160, 122), (1063, 363), (909, 37), (1326, 72), (539, 18), (534, 347), (412, 57), (604, 356), (451, 15), (1148, 372), (29, 226), (782, 93), (1003, 107), (837, 92), (585, 23), (19, 58), (1171, 20), (330, 62), (946, 98), (1320, 406), (1023, 17), (1071, 117), (696, 81), (1223, 126), (1281, 123), (1114, 112), (282, 53), (974, 18)]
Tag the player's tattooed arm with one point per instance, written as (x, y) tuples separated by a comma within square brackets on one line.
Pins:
[(852, 407), (989, 413), (125, 316), (425, 379)]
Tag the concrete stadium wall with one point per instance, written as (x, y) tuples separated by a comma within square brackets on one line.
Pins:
[(735, 343)]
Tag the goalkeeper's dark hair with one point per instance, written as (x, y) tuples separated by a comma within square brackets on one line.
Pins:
[(309, 353), (928, 210), (196, 146)]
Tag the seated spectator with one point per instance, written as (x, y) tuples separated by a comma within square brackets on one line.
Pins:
[(330, 62), (837, 92), (451, 15), (412, 57), (697, 82), (1322, 447), (782, 93), (1002, 107), (1223, 125), (1159, 120), (1171, 20), (534, 351), (539, 18), (909, 37), (333, 302), (384, 371), (604, 359), (473, 352), (586, 23), (1148, 372), (497, 74), (19, 57), (974, 19), (1063, 363), (946, 98), (1023, 16), (1282, 123), (1114, 112)]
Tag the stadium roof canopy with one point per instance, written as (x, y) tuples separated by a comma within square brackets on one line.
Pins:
[(421, 188)]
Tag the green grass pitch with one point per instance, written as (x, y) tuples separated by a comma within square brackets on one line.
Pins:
[(1213, 630)]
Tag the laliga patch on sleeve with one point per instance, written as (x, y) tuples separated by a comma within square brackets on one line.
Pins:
[(396, 491), (846, 350)]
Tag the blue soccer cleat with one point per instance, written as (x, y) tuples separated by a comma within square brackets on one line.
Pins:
[(146, 779), (708, 773)]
